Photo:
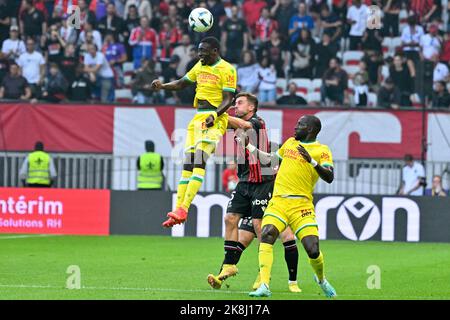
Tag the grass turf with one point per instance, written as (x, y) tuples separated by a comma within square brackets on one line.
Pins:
[(150, 267)]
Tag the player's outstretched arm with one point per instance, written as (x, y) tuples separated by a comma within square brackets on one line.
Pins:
[(179, 84), (325, 173), (264, 157), (237, 123)]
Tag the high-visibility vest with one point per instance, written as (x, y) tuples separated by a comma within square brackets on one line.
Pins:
[(38, 168), (150, 176)]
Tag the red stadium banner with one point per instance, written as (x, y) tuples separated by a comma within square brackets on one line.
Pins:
[(122, 130), (54, 211)]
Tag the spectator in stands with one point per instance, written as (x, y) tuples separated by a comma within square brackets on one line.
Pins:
[(357, 19), (248, 72), (69, 62), (340, 8), (144, 41), (183, 52), (218, 11), (141, 86), (440, 70), (116, 55), (411, 35), (431, 43), (5, 19), (413, 178), (229, 177), (169, 36), (441, 96), (14, 86), (89, 28), (389, 96), (13, 47), (302, 55), (315, 8), (331, 24), (374, 62), (282, 11), (113, 23), (170, 74), (131, 22), (426, 10), (276, 50), (403, 73), (292, 98), (144, 8), (334, 85), (235, 37), (32, 22), (445, 54), (372, 40), (32, 65), (80, 89), (263, 28), (251, 10), (54, 46), (325, 51), (55, 85), (183, 10), (87, 16), (391, 21), (360, 87), (298, 22), (83, 48), (99, 70), (436, 190), (193, 59), (67, 33), (38, 169), (267, 89)]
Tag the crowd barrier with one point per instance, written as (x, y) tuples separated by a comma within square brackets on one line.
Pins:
[(105, 212)]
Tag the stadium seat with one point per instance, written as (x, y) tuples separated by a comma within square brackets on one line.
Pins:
[(313, 97), (396, 44), (316, 85), (352, 58), (281, 86), (304, 85), (372, 99), (128, 67), (384, 72), (351, 70), (123, 95)]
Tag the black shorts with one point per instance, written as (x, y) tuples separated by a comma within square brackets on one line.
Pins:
[(250, 199)]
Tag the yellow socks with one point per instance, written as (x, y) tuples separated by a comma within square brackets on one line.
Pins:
[(182, 186), (265, 261), (317, 265), (194, 185)]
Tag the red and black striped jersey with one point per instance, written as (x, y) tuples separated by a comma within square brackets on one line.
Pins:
[(250, 167)]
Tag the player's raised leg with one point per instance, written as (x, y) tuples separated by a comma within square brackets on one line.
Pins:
[(316, 260)]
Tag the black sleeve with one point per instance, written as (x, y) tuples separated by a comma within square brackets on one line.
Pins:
[(138, 163), (162, 163)]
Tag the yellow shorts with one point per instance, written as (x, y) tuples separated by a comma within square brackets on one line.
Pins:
[(297, 213), (203, 138)]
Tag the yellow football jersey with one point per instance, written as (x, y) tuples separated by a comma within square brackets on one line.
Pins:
[(212, 80), (296, 177)]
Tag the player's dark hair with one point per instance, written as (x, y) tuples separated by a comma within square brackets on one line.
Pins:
[(408, 157), (39, 146), (212, 41), (251, 98), (149, 146)]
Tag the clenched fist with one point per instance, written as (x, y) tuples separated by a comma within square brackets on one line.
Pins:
[(156, 85)]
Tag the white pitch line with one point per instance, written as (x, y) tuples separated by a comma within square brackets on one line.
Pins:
[(210, 291), (27, 236)]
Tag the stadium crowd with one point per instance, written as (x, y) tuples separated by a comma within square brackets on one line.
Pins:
[(289, 52)]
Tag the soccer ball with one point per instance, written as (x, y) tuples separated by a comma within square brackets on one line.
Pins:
[(200, 20)]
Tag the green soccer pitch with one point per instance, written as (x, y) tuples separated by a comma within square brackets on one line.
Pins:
[(150, 267)]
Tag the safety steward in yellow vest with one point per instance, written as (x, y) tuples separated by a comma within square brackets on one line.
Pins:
[(38, 170), (150, 166)]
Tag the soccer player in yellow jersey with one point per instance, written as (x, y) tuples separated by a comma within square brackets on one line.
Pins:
[(304, 160), (216, 85)]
